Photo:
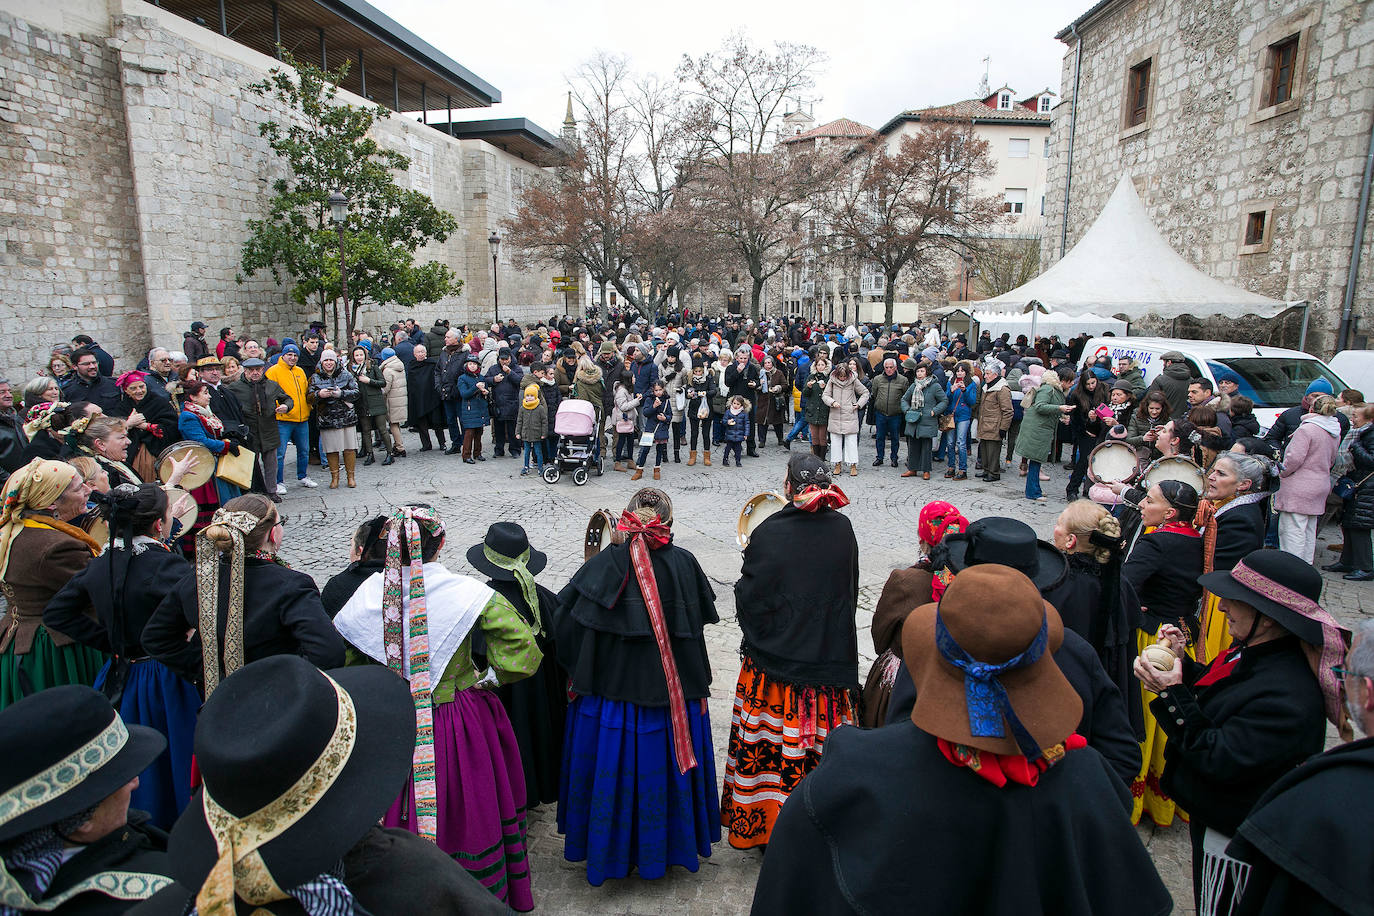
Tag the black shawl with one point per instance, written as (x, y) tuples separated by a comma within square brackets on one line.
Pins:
[(422, 397), (886, 824), (603, 633), (796, 598)]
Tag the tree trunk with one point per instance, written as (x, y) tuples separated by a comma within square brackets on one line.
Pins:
[(889, 294), (755, 297)]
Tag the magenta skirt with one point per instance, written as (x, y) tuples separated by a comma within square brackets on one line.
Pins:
[(481, 795)]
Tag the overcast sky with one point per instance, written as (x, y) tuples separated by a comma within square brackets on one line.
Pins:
[(885, 56)]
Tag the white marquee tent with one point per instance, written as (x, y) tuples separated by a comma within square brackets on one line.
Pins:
[(1065, 325), (1123, 266)]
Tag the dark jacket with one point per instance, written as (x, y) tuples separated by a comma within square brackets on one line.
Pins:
[(645, 373), (1305, 839), (259, 404), (612, 371), (334, 412), (1163, 568), (1233, 739), (699, 390), (1359, 509), (650, 411), (474, 412), (137, 848), (814, 408), (603, 633), (229, 411), (1105, 725), (422, 393), (1173, 384), (505, 394), (282, 615), (103, 360), (101, 390), (796, 598), (124, 596), (1246, 424), (1287, 423), (391, 872), (162, 424), (12, 443), (342, 585), (449, 370), (1239, 531), (887, 393), (737, 380), (194, 346), (371, 393), (885, 824)]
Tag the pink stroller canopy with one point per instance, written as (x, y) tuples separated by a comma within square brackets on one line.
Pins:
[(575, 417)]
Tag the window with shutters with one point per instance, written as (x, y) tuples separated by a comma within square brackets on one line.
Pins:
[(1140, 74), (1014, 201), (1257, 227), (1283, 58), (1138, 94), (1279, 56)]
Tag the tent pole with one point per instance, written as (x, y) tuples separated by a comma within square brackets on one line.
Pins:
[(1173, 328), (1302, 335)]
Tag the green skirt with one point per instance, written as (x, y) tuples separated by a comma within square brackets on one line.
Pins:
[(46, 666)]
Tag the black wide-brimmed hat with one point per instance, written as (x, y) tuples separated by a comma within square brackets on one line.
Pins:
[(281, 721), (1276, 584), (66, 750), (509, 540), (1007, 542)]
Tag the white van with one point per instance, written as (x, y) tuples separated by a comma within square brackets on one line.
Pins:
[(1274, 378), (1357, 368)]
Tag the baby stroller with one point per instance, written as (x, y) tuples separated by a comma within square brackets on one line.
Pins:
[(575, 424)]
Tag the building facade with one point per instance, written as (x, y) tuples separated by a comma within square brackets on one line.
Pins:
[(1247, 129), (133, 163)]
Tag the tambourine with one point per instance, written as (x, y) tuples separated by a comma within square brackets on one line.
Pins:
[(1113, 462), (201, 470), (1175, 467), (757, 509), (98, 529), (188, 515), (601, 533)]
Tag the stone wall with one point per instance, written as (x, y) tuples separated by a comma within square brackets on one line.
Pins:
[(1210, 153), (134, 163), (70, 257)]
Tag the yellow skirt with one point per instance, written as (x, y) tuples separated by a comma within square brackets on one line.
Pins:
[(1146, 795), (1216, 636)]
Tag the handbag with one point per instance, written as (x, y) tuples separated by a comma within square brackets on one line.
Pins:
[(946, 422), (626, 423), (646, 438), (1346, 488), (913, 416)]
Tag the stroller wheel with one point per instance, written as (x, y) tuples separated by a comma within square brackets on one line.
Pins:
[(600, 467), (551, 474), (580, 476)]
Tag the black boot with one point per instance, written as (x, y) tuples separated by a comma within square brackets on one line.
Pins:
[(369, 459), (389, 459)]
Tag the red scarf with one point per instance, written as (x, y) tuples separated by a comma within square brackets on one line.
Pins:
[(813, 497), (643, 537), (1178, 528), (1000, 769), (1222, 667)]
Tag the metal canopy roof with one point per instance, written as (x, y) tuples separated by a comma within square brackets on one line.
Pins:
[(519, 136), (400, 69)]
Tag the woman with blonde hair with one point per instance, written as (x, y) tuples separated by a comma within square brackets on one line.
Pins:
[(40, 549), (1305, 478), (241, 603), (1094, 601)]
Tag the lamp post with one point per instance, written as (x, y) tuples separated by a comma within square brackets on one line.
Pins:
[(494, 241), (338, 215)]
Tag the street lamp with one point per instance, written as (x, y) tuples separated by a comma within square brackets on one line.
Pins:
[(495, 242), (338, 215)]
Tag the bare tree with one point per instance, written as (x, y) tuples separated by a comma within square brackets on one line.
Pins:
[(905, 211), (746, 191), (1006, 263)]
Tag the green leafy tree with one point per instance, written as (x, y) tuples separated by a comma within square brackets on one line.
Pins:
[(327, 148)]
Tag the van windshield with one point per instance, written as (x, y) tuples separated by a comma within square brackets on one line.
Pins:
[(1272, 381)]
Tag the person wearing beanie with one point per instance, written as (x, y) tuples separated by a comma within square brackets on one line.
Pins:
[(334, 392), (532, 425)]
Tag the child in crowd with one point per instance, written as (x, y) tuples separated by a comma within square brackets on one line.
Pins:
[(736, 425), (658, 417), (531, 425)]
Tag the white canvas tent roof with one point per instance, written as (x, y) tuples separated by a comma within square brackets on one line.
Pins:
[(1013, 323), (1123, 266)]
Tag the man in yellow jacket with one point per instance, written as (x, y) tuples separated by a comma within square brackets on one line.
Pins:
[(294, 424)]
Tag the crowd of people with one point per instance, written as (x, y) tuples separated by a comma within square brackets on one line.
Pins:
[(1034, 695)]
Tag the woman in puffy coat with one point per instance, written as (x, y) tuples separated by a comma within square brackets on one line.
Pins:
[(397, 398), (846, 396), (474, 411), (773, 403), (371, 406), (922, 405), (1305, 477), (334, 391), (814, 408), (1357, 514)]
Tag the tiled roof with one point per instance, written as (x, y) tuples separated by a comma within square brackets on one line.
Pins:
[(971, 110), (842, 127)]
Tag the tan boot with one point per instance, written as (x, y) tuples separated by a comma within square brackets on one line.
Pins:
[(350, 459), (639, 472), (655, 473), (691, 458), (618, 466), (853, 470), (838, 467), (707, 455), (333, 458)]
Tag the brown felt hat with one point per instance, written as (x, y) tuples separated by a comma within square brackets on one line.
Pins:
[(994, 614)]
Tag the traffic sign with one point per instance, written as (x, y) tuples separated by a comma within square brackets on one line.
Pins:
[(565, 279), (561, 288)]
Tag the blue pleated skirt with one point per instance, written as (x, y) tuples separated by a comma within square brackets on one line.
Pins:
[(622, 804), (157, 698)]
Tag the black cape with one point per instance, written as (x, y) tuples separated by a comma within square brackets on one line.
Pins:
[(604, 638), (422, 397), (537, 705), (343, 584), (886, 824), (391, 872), (796, 597), (1306, 838), (137, 848), (1105, 725)]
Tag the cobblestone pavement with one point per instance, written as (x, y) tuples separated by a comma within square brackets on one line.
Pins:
[(707, 502)]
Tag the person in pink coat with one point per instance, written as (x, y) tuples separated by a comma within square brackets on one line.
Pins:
[(1305, 479)]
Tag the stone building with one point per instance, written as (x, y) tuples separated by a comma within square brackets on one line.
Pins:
[(132, 162), (1247, 130)]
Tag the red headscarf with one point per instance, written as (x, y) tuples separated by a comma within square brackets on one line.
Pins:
[(936, 520)]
